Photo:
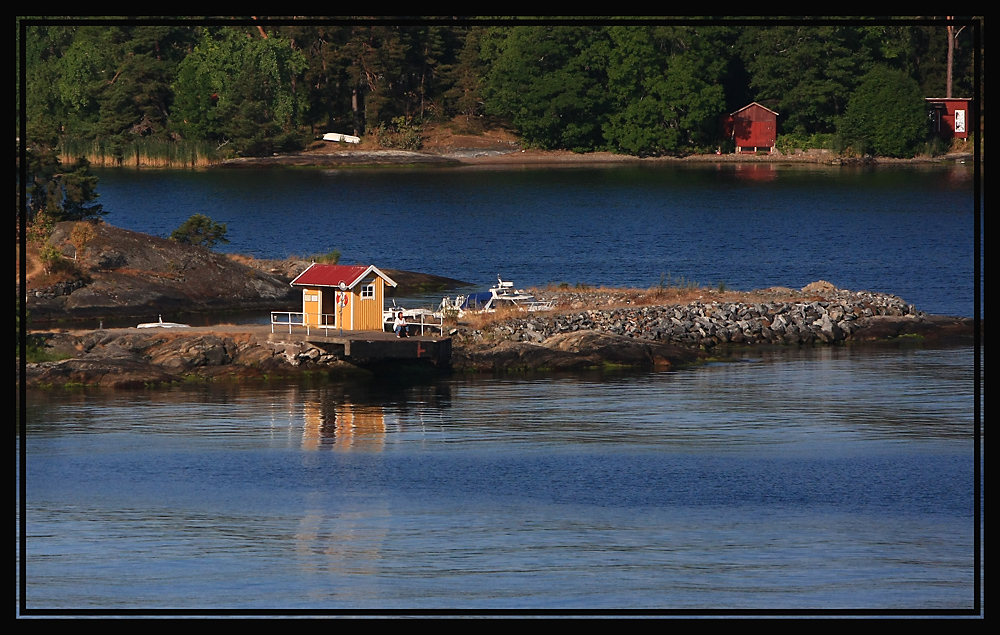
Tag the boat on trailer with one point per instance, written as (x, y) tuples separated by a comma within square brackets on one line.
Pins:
[(501, 295)]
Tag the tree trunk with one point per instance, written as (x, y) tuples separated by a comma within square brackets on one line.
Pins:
[(951, 55), (354, 108)]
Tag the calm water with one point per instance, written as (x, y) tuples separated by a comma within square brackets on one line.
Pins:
[(830, 478), (785, 481), (908, 231)]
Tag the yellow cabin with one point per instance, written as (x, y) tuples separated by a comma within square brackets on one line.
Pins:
[(351, 297)]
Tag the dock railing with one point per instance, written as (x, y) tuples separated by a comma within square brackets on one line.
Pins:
[(325, 321), (417, 317)]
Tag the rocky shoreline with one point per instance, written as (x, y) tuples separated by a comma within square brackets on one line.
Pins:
[(656, 335), (504, 154), (650, 336)]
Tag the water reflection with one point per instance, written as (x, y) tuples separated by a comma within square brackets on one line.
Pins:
[(801, 478), (759, 172), (343, 426)]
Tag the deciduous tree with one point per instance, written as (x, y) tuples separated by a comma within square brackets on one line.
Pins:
[(550, 82), (237, 88), (805, 72), (666, 86), (885, 115)]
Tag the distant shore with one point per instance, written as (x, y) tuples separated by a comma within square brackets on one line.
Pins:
[(502, 158)]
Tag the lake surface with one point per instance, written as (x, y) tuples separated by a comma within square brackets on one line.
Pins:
[(905, 231), (788, 481), (835, 478)]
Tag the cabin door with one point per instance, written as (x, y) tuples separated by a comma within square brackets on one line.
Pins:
[(328, 311)]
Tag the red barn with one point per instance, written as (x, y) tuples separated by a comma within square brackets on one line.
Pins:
[(949, 116), (753, 128)]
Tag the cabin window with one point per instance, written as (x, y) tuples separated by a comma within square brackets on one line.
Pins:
[(368, 292), (311, 297)]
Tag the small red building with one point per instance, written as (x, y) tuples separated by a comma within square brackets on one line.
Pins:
[(949, 116), (753, 128)]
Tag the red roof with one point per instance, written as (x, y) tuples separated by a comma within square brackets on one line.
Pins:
[(318, 275), (750, 105)]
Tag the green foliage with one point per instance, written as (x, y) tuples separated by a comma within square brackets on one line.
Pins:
[(935, 147), (885, 115), (805, 72), (50, 256), (789, 143), (111, 82), (665, 82), (329, 258), (653, 89), (62, 193), (550, 82), (237, 89), (465, 77), (402, 134), (639, 90), (200, 230)]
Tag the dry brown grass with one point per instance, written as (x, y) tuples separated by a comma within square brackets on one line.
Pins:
[(480, 321), (242, 259)]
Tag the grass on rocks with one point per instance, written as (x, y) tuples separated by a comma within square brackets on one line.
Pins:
[(581, 297)]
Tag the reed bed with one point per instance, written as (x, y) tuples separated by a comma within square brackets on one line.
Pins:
[(141, 153)]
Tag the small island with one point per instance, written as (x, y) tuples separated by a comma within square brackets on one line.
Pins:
[(119, 274)]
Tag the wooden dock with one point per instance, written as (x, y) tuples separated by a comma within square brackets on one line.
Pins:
[(373, 347)]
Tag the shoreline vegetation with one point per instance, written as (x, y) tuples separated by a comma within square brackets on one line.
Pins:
[(441, 146), (122, 274), (199, 159)]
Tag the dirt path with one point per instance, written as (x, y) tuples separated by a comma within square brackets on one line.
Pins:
[(34, 269)]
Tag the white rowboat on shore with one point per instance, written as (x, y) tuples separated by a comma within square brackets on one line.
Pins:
[(162, 325)]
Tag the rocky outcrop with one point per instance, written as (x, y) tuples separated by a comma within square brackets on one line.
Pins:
[(126, 274), (129, 274), (670, 335), (571, 351), (124, 358)]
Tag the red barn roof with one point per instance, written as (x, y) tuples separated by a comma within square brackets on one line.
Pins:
[(751, 105), (319, 275)]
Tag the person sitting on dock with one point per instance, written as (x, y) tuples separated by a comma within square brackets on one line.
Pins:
[(400, 326)]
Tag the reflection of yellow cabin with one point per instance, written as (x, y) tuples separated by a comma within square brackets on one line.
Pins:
[(342, 425), (343, 296)]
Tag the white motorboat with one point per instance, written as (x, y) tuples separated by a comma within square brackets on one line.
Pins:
[(501, 295), (162, 325)]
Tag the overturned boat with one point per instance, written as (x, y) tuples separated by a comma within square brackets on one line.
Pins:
[(162, 325)]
